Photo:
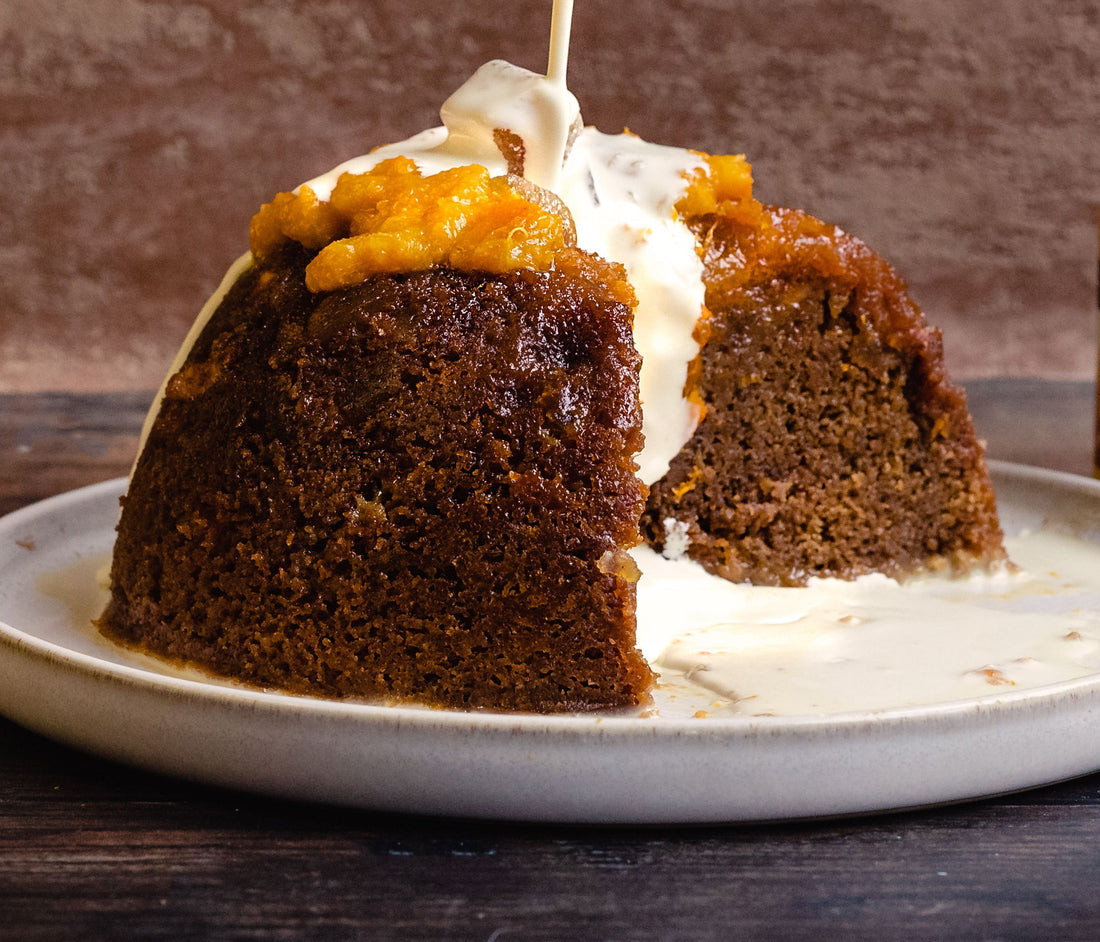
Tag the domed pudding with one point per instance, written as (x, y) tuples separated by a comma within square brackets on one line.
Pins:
[(405, 452)]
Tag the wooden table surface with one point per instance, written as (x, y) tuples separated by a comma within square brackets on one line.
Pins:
[(94, 850)]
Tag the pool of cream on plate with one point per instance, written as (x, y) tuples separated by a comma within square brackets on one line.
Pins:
[(875, 644)]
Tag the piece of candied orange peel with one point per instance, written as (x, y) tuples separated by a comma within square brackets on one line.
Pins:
[(300, 217), (720, 186), (395, 219)]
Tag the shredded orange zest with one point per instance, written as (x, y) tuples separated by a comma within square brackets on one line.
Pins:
[(688, 484)]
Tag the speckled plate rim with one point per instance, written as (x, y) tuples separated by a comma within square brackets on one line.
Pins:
[(567, 769)]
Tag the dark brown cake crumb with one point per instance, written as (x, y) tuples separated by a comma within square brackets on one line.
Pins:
[(832, 443), (417, 488)]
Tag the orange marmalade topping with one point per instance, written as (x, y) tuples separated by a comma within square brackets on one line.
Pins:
[(724, 187), (394, 219)]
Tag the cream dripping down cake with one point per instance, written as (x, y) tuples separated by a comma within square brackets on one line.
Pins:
[(407, 447)]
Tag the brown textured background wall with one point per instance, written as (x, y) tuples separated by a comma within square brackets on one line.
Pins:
[(960, 139)]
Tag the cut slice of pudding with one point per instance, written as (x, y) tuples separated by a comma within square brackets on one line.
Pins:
[(832, 442)]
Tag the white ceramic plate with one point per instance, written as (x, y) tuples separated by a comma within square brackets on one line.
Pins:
[(59, 679)]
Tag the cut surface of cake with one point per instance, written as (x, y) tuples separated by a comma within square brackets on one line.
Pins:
[(404, 455), (832, 442), (420, 487)]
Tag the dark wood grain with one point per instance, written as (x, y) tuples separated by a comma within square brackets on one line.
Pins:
[(94, 850), (54, 442)]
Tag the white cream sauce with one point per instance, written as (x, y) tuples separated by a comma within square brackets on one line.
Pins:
[(874, 644)]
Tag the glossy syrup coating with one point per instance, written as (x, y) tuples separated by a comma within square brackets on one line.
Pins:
[(419, 488)]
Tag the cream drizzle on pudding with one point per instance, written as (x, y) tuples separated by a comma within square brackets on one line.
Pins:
[(621, 192)]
